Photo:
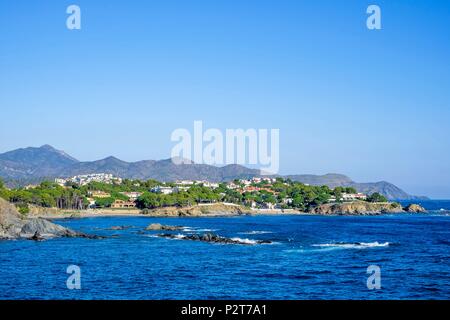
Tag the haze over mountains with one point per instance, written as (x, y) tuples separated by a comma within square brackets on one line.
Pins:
[(31, 164)]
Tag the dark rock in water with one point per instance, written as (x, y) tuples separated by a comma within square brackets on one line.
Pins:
[(45, 228), (213, 238), (158, 226), (88, 236), (119, 228), (37, 237), (13, 225)]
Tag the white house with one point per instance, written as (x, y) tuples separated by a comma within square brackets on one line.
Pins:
[(161, 189), (353, 196), (132, 195), (185, 182), (232, 186)]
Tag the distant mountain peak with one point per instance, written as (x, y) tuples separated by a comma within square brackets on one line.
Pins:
[(32, 162), (111, 158), (48, 147)]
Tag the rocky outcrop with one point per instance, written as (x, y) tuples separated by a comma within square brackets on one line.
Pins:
[(356, 208), (116, 228), (213, 238), (159, 227), (15, 226), (44, 229), (216, 209), (415, 208)]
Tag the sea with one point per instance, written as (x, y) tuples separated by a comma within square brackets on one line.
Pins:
[(394, 256)]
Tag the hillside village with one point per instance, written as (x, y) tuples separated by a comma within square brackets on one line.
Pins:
[(100, 190), (257, 192)]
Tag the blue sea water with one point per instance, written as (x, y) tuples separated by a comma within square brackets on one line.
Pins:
[(312, 257)]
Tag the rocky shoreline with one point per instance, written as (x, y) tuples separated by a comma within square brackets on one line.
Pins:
[(215, 209), (223, 210), (364, 208), (14, 226)]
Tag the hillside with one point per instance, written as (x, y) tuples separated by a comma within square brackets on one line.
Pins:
[(30, 165), (34, 162)]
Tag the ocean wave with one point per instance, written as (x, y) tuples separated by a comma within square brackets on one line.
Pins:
[(353, 245), (244, 241), (255, 232), (191, 229), (150, 235), (250, 241), (173, 237), (213, 239)]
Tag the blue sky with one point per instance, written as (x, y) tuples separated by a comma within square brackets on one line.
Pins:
[(374, 105)]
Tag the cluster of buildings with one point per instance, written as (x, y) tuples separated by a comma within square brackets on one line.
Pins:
[(87, 178), (246, 183), (255, 184), (183, 185), (118, 203), (346, 197), (189, 183)]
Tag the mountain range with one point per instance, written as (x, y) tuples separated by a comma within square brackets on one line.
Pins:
[(31, 165)]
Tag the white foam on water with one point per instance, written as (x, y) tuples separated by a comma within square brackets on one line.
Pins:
[(179, 236), (245, 241), (193, 229), (255, 232), (356, 245)]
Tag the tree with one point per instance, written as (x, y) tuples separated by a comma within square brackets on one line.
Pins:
[(350, 190), (298, 202), (338, 193), (148, 200), (321, 199), (47, 201), (2, 184), (104, 202), (376, 197)]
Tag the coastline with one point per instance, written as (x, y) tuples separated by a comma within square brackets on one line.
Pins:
[(93, 213), (196, 243), (227, 210)]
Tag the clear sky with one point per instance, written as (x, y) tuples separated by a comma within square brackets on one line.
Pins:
[(374, 105)]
